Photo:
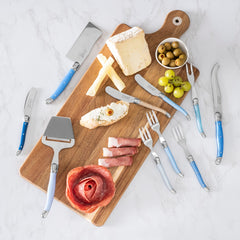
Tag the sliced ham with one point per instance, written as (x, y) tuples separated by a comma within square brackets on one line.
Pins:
[(115, 152), (114, 162), (89, 187), (124, 142)]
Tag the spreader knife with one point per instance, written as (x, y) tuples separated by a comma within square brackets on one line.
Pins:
[(27, 114), (217, 103), (78, 53), (130, 99), (154, 91)]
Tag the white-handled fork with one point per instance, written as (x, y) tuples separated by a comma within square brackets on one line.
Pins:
[(147, 140)]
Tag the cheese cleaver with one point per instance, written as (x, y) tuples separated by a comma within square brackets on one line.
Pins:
[(78, 53)]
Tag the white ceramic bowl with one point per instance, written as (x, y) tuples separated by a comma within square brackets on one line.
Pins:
[(182, 45)]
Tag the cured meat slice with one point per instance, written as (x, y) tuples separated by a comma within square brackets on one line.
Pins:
[(124, 142), (114, 162), (89, 187), (115, 152)]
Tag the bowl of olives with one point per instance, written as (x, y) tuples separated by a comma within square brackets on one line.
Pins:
[(172, 53)]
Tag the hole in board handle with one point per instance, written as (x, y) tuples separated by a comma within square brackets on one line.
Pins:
[(177, 21)]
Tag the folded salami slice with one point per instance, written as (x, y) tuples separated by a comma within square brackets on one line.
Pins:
[(124, 142), (114, 162), (89, 187), (116, 152)]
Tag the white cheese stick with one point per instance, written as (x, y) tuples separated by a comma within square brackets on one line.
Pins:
[(101, 75), (120, 85)]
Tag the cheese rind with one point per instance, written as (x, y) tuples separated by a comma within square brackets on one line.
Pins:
[(130, 50)]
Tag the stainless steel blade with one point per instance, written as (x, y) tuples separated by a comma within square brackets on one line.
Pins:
[(147, 86), (59, 128), (216, 90), (28, 105), (84, 43), (121, 96)]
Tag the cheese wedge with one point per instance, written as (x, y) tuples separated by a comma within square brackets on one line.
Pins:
[(130, 50)]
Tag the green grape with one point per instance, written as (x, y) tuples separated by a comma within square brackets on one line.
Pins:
[(163, 81), (178, 92), (177, 81), (170, 74), (169, 88), (186, 86)]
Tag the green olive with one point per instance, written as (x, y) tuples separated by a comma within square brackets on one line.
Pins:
[(165, 61), (172, 63), (161, 56), (167, 46), (161, 49), (175, 44), (179, 62), (183, 57), (177, 52), (169, 55)]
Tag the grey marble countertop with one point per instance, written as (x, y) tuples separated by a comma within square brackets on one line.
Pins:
[(34, 38)]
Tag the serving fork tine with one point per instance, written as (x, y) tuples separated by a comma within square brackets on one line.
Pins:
[(147, 140), (155, 125), (190, 76), (179, 136)]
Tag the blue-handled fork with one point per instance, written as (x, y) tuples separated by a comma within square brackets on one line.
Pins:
[(178, 134), (155, 126), (147, 140), (195, 101)]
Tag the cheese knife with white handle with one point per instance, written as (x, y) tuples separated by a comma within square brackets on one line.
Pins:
[(130, 99)]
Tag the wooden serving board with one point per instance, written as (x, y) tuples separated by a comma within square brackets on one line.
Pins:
[(89, 143)]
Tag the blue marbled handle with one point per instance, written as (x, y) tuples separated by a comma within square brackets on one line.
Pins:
[(24, 130), (177, 107), (198, 174), (198, 118), (50, 193), (172, 160), (63, 84), (219, 136)]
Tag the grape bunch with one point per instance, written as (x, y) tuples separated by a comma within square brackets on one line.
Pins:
[(175, 84)]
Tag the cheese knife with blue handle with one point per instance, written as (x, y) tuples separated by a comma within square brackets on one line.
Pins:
[(78, 53), (195, 100), (27, 114), (154, 91), (217, 103)]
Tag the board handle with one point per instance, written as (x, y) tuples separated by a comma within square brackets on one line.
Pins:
[(176, 23)]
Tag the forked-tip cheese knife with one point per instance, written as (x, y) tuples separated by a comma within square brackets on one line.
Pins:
[(28, 105), (130, 99), (217, 103), (195, 100), (78, 53), (154, 91)]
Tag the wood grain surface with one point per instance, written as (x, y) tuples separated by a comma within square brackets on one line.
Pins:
[(89, 143)]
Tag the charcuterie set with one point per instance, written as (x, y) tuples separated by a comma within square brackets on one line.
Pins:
[(91, 151)]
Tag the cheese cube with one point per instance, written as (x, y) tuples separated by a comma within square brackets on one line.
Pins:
[(130, 50)]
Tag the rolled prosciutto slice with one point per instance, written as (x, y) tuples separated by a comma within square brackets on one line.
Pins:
[(115, 152), (124, 142), (114, 162), (89, 187)]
